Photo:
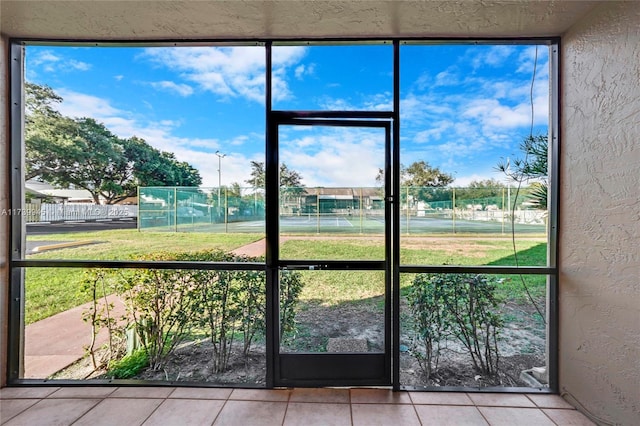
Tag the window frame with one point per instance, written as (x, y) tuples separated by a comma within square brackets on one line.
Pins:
[(16, 327)]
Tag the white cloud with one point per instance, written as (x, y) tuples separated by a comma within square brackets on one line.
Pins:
[(531, 56), (82, 105), (335, 156), (303, 70), (493, 56), (434, 133), (170, 86), (230, 71), (199, 152), (50, 62)]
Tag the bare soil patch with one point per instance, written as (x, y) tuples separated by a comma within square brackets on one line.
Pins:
[(522, 347)]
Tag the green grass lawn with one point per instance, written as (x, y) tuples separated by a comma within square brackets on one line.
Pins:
[(340, 286), (124, 244), (53, 290)]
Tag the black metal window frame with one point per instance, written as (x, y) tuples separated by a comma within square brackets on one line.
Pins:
[(18, 229)]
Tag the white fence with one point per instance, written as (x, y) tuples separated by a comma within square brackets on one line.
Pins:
[(35, 212)]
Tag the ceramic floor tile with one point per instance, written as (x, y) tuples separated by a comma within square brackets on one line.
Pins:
[(201, 393), (450, 415), (278, 395), (12, 407), (320, 395), (509, 416), (185, 412), (384, 414), (119, 411), (83, 392), (33, 392), (142, 392), (379, 396), (568, 417), (501, 400), (440, 398), (53, 412), (549, 401), (321, 414), (246, 413)]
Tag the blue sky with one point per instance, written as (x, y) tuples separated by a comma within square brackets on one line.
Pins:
[(463, 107)]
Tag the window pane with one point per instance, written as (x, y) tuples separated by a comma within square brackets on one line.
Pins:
[(474, 154), (340, 78), (338, 311), (329, 208), (444, 343), (158, 139), (156, 324)]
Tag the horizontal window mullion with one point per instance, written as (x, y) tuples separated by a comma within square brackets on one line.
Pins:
[(228, 266), (333, 265), (453, 269)]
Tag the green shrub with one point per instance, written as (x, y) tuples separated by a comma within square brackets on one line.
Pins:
[(128, 366), (429, 321), (290, 289), (161, 303), (462, 306), (164, 304), (98, 284)]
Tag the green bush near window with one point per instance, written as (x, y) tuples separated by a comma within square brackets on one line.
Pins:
[(455, 306), (166, 307)]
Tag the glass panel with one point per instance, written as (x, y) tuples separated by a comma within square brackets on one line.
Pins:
[(473, 154), (444, 343), (331, 194), (338, 311), (333, 78), (164, 139), (157, 324)]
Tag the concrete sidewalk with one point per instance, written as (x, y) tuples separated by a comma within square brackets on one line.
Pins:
[(56, 342)]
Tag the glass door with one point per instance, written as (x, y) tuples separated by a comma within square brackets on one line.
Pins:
[(330, 247)]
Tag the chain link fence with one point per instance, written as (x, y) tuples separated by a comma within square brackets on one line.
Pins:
[(357, 210)]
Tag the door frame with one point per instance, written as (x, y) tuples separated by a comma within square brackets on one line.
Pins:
[(326, 369)]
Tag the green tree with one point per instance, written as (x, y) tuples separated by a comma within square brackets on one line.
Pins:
[(83, 153), (533, 167), (290, 180), (257, 175), (152, 167), (421, 174), (421, 182), (488, 191), (90, 158)]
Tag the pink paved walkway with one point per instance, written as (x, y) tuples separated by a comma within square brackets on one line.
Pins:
[(60, 340)]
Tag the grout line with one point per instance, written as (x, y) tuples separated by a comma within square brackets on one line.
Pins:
[(547, 416), (350, 407), (88, 411), (221, 408), (481, 414), (154, 410), (171, 393), (415, 410), (286, 408), (4, 421)]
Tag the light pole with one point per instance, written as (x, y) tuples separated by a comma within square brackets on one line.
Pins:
[(220, 157)]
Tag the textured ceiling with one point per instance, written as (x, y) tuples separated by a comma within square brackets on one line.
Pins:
[(179, 19)]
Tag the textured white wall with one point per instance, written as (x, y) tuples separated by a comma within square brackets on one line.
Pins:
[(600, 213), (99, 19)]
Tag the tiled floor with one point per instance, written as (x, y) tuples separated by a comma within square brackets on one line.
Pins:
[(207, 406)]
